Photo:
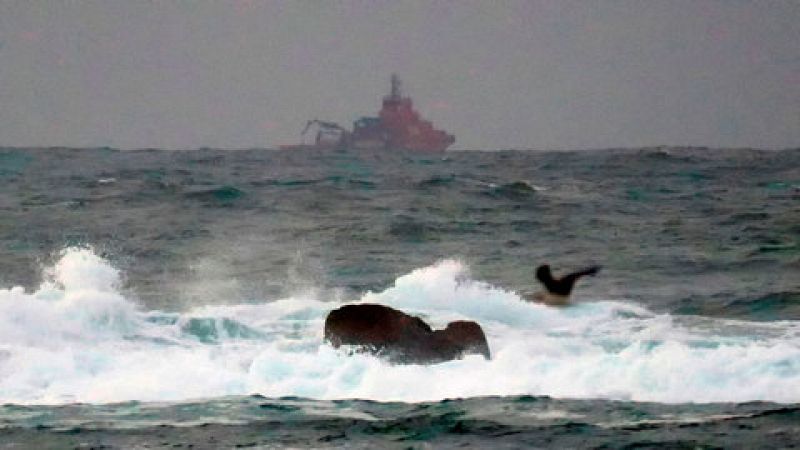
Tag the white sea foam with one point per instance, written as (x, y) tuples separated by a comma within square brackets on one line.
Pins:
[(77, 339)]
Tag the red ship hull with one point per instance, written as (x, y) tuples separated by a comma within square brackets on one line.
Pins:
[(402, 126)]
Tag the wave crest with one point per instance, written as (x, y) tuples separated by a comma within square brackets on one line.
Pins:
[(77, 338)]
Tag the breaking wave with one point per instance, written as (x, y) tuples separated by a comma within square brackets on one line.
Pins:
[(77, 338)]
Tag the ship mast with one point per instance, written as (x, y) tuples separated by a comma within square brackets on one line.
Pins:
[(396, 87)]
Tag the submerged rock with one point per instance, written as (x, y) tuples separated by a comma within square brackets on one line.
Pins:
[(402, 338)]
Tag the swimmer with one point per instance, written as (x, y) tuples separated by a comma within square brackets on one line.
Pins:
[(557, 290)]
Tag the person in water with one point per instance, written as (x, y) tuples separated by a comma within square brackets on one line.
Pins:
[(557, 290)]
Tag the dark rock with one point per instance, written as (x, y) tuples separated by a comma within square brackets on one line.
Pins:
[(402, 338)]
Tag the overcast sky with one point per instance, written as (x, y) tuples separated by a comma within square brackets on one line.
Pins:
[(556, 74)]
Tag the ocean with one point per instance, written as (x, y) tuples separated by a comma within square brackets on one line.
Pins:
[(156, 298)]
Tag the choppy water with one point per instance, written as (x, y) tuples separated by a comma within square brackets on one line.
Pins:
[(183, 293)]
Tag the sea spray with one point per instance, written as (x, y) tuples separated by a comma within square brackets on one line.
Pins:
[(78, 339)]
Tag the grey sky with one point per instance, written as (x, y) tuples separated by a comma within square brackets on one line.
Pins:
[(497, 74)]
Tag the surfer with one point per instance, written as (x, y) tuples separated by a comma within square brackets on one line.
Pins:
[(557, 290)]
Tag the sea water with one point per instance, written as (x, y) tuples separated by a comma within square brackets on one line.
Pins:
[(174, 291)]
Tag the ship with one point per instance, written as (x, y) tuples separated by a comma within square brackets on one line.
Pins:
[(398, 126)]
